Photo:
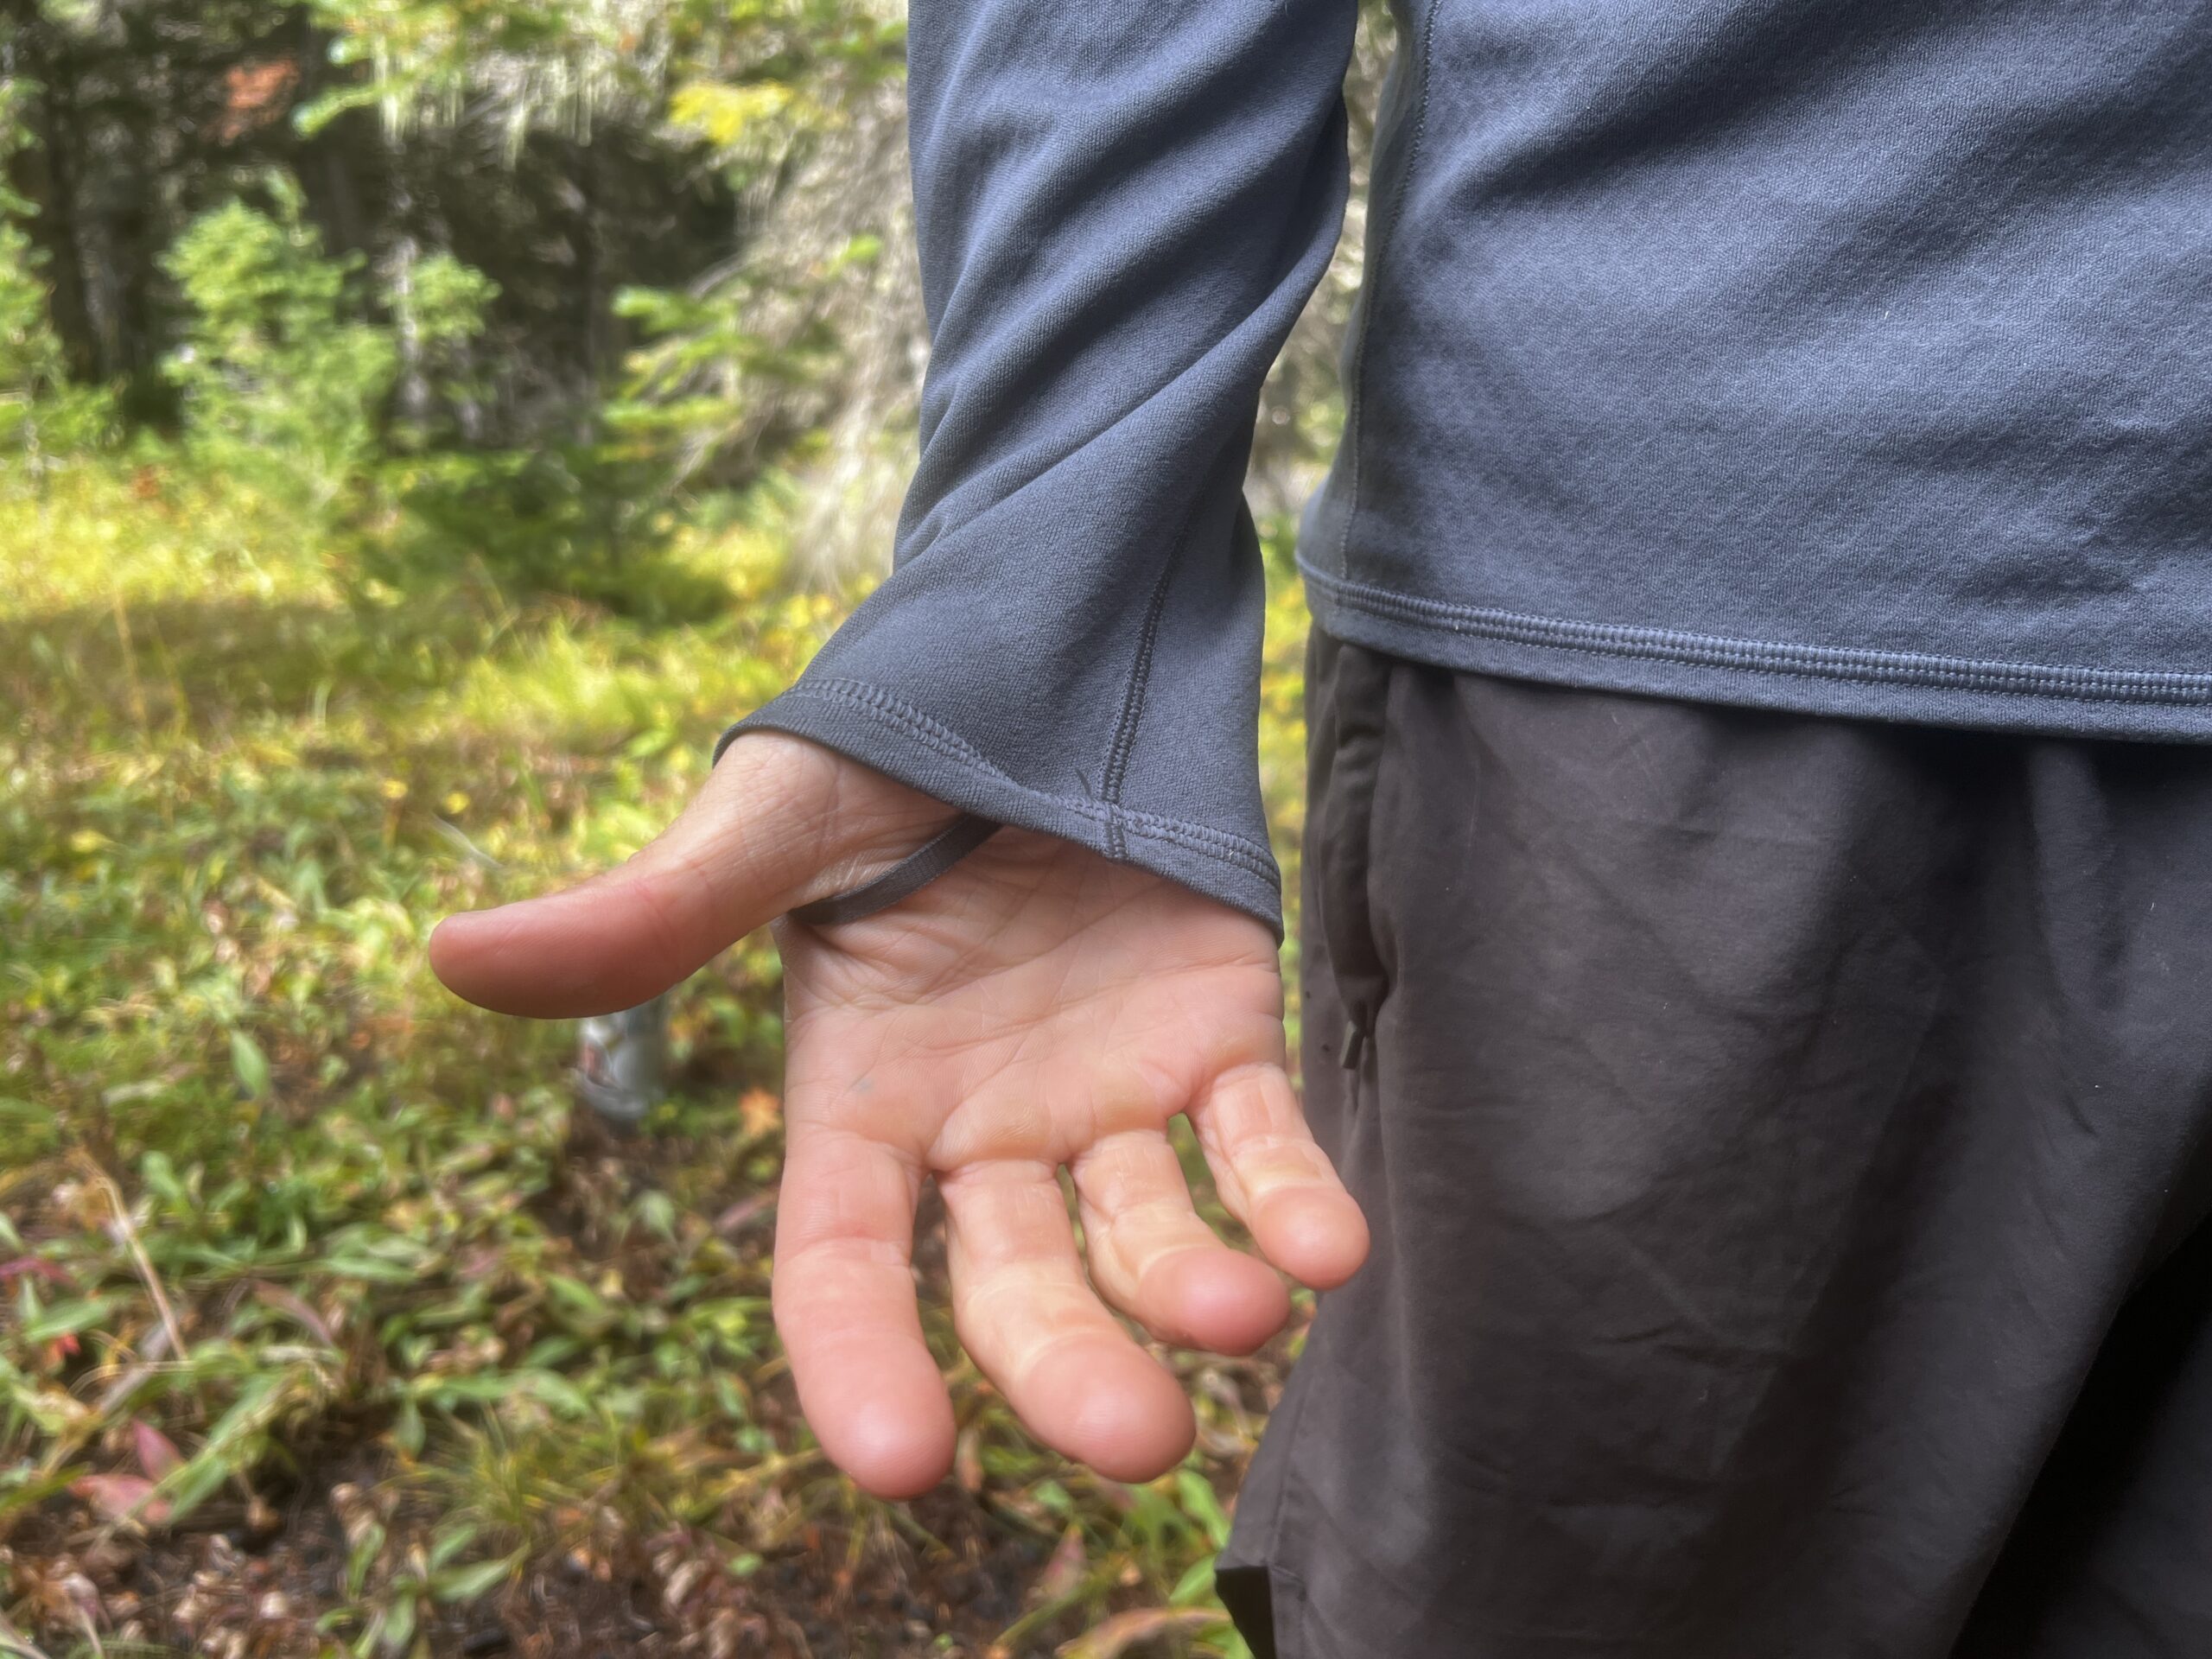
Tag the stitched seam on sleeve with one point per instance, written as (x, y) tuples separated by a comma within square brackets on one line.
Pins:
[(942, 738), (1233, 849), (1125, 728), (1386, 232), (1221, 844)]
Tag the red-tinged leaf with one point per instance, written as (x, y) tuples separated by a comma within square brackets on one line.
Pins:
[(116, 1496), (1124, 1630), (52, 1273), (158, 1454), (1065, 1571)]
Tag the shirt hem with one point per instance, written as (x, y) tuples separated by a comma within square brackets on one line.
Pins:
[(1919, 688)]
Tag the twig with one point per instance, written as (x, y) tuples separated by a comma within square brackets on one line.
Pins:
[(129, 663), (134, 1376), (452, 833), (127, 1230)]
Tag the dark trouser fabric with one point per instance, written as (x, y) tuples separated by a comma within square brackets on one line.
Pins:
[(1785, 1141)]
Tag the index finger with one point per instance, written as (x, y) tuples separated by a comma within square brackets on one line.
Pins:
[(1275, 1179)]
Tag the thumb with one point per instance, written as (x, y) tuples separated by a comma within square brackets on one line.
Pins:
[(774, 818)]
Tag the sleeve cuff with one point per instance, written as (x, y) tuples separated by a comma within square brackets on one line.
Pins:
[(870, 725)]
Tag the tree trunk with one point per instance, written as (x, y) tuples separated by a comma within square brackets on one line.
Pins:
[(50, 174)]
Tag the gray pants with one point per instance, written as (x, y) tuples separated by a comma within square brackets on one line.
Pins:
[(1786, 1144)]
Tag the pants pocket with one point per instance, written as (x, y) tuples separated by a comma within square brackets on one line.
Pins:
[(1348, 712)]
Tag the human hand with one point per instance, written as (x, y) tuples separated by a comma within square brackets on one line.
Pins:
[(1037, 1007)]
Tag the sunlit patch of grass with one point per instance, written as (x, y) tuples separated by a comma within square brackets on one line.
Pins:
[(426, 1346)]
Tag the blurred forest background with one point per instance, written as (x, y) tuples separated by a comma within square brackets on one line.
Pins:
[(424, 424)]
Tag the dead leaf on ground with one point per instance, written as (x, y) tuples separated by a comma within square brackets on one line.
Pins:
[(760, 1112)]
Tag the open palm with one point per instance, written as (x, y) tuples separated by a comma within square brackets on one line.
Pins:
[(1036, 1008)]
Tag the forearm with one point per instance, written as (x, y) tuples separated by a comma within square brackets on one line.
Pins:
[(1120, 211)]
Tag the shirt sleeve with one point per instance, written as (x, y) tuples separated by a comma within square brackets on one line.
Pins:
[(1121, 207)]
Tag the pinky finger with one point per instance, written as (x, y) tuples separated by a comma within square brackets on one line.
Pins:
[(1276, 1179)]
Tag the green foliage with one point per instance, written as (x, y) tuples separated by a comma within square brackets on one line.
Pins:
[(577, 519), (31, 356), (473, 212), (744, 75), (694, 389), (417, 1300), (438, 306), (443, 304), (548, 62), (283, 385)]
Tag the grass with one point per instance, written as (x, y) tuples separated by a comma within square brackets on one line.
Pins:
[(329, 1323)]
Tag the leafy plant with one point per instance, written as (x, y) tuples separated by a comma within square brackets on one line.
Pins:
[(282, 383), (437, 306)]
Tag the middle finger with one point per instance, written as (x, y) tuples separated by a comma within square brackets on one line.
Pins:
[(1028, 1317)]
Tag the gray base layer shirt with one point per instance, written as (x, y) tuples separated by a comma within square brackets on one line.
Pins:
[(1852, 357)]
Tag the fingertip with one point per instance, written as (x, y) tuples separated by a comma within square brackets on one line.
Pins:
[(489, 957), (1318, 1237), (456, 950), (448, 945), (1108, 1405), (893, 1449), (881, 1414), (1220, 1301), (590, 950)]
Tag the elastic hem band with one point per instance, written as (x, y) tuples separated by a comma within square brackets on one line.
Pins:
[(867, 724), (1823, 662)]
